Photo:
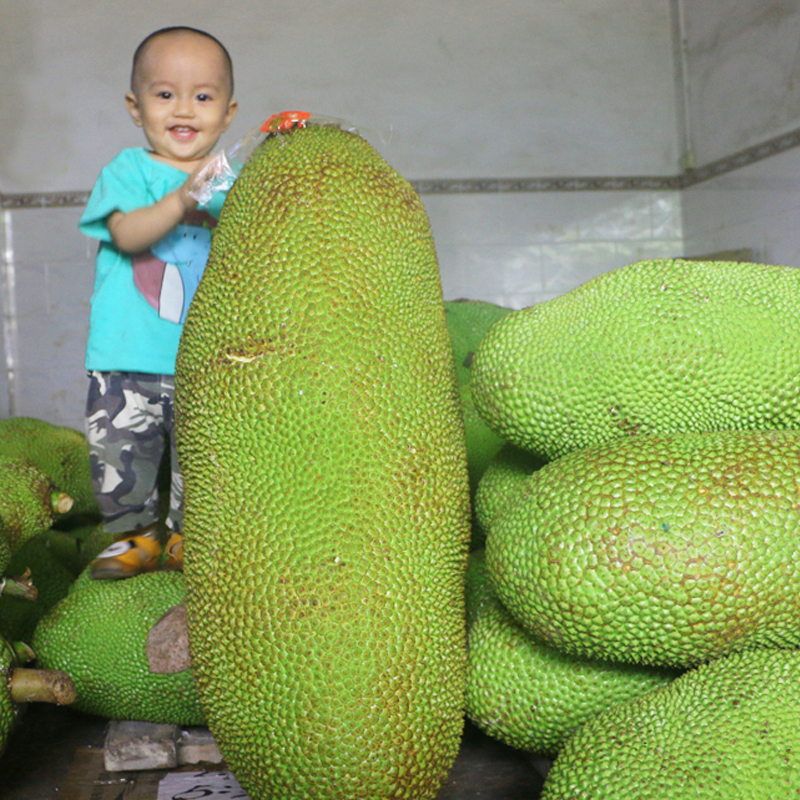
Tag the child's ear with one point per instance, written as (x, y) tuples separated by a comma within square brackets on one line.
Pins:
[(132, 104), (233, 107)]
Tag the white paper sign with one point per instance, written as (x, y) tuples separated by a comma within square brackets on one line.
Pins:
[(200, 785)]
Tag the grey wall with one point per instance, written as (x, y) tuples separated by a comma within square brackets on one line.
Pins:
[(743, 89), (445, 88), (743, 73)]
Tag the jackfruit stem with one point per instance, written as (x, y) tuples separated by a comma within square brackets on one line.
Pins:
[(19, 587), (23, 652), (41, 686), (61, 502)]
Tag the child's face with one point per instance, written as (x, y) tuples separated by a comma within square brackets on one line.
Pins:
[(181, 97)]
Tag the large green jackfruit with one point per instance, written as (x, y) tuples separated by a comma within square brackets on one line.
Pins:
[(98, 634), (527, 694), (61, 452), (728, 730), (467, 323), (30, 503), (669, 549), (654, 347), (326, 493)]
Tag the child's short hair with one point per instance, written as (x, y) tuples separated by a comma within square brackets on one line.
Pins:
[(137, 56)]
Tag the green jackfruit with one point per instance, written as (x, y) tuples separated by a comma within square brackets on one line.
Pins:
[(98, 635), (529, 695), (504, 474), (29, 501), (326, 494), (95, 539), (9, 710), (62, 453), (728, 730), (5, 554), (52, 579), (467, 323), (669, 550), (654, 347)]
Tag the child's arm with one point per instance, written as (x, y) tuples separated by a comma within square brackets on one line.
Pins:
[(143, 227), (139, 229)]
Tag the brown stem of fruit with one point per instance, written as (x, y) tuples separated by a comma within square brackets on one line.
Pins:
[(41, 686)]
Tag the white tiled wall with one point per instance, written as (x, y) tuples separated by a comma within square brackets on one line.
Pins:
[(443, 88), (757, 208), (519, 249), (51, 268)]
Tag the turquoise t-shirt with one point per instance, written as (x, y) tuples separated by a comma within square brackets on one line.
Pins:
[(139, 303)]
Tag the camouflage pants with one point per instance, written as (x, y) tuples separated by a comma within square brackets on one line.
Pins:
[(129, 424)]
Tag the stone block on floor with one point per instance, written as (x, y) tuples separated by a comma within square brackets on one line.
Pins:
[(133, 745)]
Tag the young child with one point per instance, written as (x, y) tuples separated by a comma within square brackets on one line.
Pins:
[(154, 242)]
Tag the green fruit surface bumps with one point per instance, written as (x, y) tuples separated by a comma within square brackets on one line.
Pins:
[(467, 323), (98, 633), (322, 447), (9, 710), (504, 474), (529, 695), (61, 452), (52, 579), (27, 498), (654, 347), (532, 696), (728, 730), (669, 549)]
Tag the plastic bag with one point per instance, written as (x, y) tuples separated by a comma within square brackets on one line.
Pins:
[(222, 170)]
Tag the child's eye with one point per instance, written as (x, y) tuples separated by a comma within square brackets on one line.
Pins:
[(165, 95), (203, 98)]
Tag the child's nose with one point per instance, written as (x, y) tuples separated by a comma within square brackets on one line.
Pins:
[(184, 106)]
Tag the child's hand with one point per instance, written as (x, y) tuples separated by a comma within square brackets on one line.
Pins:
[(197, 185)]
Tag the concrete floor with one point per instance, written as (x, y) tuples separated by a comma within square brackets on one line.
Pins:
[(57, 753)]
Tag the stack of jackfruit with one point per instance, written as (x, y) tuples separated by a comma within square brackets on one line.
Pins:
[(641, 522), (44, 484), (83, 640)]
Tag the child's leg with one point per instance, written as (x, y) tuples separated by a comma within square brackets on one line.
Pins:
[(126, 433)]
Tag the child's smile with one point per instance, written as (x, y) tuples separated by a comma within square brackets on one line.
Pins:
[(182, 99)]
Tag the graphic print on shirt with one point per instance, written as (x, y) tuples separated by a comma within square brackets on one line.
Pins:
[(169, 273)]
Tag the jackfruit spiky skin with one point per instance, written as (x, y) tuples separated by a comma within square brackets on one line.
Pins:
[(467, 323), (528, 695), (5, 554), (668, 550), (98, 633), (29, 501), (504, 474), (61, 452), (9, 710), (654, 347), (96, 539), (52, 579), (326, 493), (728, 730)]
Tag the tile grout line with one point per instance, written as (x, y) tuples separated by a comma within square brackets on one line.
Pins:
[(691, 177)]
